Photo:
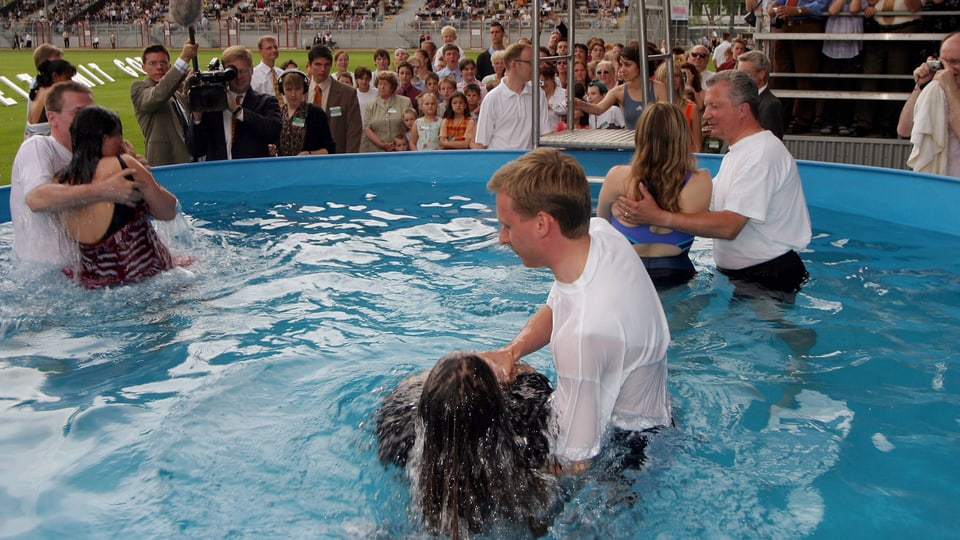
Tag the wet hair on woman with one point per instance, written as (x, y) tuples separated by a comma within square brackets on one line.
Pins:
[(479, 449), (87, 131)]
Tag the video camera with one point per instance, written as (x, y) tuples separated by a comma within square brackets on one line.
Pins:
[(208, 89)]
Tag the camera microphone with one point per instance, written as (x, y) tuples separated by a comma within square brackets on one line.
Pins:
[(187, 13)]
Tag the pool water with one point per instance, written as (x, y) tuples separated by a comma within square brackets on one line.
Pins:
[(234, 397)]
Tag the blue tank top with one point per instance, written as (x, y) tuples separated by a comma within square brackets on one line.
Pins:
[(643, 235), (632, 109)]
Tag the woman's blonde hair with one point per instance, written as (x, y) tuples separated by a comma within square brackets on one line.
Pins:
[(662, 158), (661, 76)]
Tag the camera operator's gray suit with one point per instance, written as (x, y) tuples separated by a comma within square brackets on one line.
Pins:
[(162, 119)]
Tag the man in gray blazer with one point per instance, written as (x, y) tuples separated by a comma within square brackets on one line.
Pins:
[(338, 100), (160, 112)]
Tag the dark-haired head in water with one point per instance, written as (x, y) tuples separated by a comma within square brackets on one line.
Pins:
[(481, 449)]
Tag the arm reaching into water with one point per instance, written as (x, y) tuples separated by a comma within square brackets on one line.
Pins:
[(534, 336)]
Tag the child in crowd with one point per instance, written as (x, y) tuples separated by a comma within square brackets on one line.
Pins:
[(580, 118), (425, 135), (431, 83), (468, 69), (448, 85), (612, 118), (346, 78), (474, 95), (400, 143), (409, 122), (458, 127)]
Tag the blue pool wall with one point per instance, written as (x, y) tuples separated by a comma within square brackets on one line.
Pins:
[(906, 198)]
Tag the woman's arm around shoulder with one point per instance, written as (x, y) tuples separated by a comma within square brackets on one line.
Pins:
[(614, 185), (162, 203), (695, 196)]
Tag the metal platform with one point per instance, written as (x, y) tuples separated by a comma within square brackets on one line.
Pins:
[(606, 139), (876, 152)]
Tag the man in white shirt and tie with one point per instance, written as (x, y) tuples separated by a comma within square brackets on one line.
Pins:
[(265, 74)]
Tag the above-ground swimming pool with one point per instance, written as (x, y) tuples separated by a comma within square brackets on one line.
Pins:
[(234, 397)]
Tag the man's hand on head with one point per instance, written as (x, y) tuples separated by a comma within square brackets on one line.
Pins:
[(502, 364)]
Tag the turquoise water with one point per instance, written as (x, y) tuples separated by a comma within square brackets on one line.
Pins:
[(234, 397)]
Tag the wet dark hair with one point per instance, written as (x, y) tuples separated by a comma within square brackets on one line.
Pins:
[(87, 131), (46, 71), (472, 470)]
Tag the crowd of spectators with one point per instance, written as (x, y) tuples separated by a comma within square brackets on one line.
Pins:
[(63, 12)]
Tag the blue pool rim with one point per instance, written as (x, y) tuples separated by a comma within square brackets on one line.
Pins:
[(906, 198)]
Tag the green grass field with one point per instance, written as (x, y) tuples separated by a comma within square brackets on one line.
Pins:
[(114, 95)]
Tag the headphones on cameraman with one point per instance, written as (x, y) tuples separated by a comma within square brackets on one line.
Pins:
[(306, 80)]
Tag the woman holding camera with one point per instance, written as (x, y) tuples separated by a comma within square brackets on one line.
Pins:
[(305, 130)]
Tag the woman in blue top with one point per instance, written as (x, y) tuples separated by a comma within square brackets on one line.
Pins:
[(666, 166)]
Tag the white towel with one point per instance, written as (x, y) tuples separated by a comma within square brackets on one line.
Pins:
[(930, 131)]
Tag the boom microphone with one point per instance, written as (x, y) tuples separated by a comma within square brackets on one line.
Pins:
[(187, 13)]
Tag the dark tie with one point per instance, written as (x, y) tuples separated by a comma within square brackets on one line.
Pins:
[(181, 114), (233, 123)]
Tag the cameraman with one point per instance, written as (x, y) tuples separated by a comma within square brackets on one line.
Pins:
[(160, 111), (247, 127)]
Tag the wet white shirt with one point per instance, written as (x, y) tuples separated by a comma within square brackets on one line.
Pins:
[(609, 345), (38, 237), (759, 179)]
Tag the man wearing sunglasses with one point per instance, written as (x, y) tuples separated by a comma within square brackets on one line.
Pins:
[(699, 56)]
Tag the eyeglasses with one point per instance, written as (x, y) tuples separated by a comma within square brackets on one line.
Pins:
[(604, 72), (698, 54)]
